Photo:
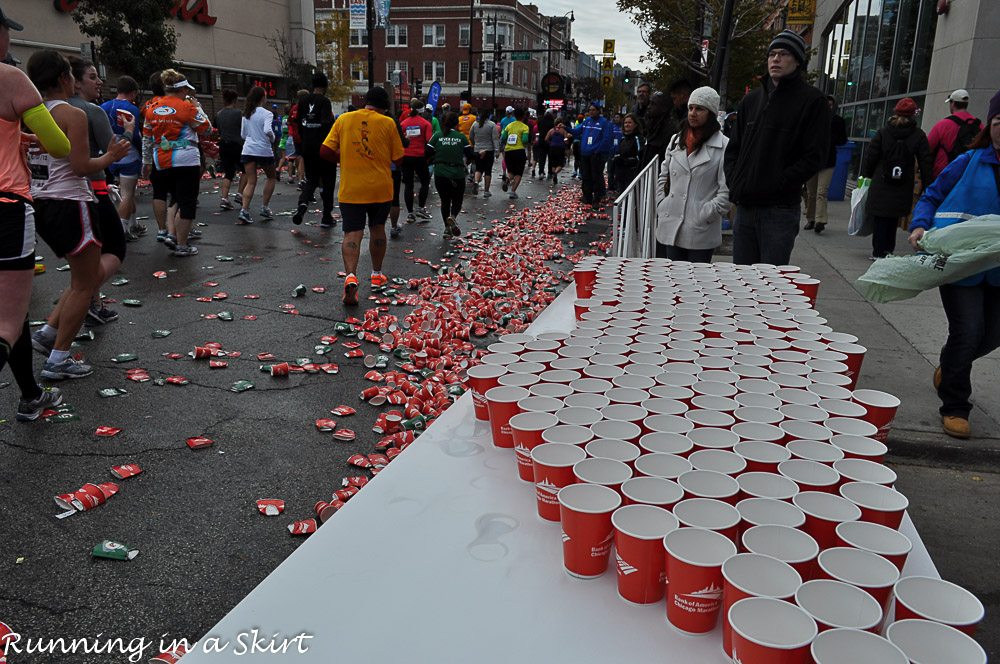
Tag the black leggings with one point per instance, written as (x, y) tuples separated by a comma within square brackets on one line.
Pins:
[(319, 171), (451, 191), (541, 154), (416, 165)]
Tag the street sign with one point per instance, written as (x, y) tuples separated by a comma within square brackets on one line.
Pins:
[(609, 46), (606, 80), (520, 55), (607, 64)]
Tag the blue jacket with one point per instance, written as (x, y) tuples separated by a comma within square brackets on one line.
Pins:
[(967, 188), (616, 133), (595, 136)]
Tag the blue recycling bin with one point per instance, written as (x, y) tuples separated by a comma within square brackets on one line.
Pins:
[(838, 184)]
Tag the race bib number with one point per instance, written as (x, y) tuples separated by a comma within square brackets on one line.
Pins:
[(590, 140), (40, 162), (512, 139), (413, 132)]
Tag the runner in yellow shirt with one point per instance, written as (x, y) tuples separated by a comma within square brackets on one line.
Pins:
[(514, 138), (365, 142)]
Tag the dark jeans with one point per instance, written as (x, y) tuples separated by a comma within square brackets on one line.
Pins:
[(540, 155), (884, 236), (682, 254), (451, 191), (973, 332), (765, 234), (592, 173), (319, 171), (418, 166)]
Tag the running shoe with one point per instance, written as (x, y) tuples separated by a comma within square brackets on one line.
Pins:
[(300, 214), (266, 213), (475, 188), (68, 368), (137, 228), (512, 194), (423, 213), (101, 314), (170, 240), (194, 234), (238, 198), (351, 290), (411, 218), (244, 218), (225, 204), (184, 250), (42, 344), (394, 231), (161, 236), (327, 222), (28, 410), (487, 194), (505, 184), (379, 280), (452, 227), (39, 268), (130, 236)]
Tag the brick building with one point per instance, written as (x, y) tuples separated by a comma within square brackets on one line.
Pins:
[(431, 42)]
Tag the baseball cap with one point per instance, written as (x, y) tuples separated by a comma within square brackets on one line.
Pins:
[(958, 95), (11, 25), (509, 109)]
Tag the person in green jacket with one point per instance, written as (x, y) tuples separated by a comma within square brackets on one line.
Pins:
[(282, 144), (450, 151)]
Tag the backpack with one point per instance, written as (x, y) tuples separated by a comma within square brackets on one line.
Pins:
[(895, 160), (967, 131)]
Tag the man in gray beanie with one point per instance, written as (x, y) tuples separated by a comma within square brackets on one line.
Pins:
[(780, 140)]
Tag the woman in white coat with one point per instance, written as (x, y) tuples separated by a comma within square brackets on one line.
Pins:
[(692, 195)]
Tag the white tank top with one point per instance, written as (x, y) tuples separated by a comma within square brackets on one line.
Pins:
[(54, 178)]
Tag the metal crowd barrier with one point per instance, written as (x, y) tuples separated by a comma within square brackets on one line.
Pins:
[(633, 216)]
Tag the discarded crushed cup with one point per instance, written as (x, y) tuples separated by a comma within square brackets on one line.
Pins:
[(114, 551)]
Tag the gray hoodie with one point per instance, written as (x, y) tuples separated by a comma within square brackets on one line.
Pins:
[(485, 138)]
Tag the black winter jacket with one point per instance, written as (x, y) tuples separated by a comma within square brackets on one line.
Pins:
[(780, 140), (626, 162), (895, 199)]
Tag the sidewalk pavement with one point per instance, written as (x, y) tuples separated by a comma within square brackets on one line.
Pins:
[(903, 341)]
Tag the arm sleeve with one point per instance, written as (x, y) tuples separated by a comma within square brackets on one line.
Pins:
[(720, 202), (872, 156), (815, 144), (931, 199), (925, 160), (52, 138), (934, 138), (103, 133), (733, 149)]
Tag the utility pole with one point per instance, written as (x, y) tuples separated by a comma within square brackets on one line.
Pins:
[(370, 28), (722, 53), (472, 31)]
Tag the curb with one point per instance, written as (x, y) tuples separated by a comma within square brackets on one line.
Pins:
[(939, 448)]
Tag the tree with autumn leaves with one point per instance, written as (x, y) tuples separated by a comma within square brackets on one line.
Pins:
[(674, 30)]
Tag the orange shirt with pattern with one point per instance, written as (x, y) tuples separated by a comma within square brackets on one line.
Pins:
[(174, 125)]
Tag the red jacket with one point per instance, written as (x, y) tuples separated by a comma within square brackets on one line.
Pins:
[(942, 138)]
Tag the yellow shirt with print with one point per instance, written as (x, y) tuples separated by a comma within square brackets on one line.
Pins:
[(513, 137), (368, 143)]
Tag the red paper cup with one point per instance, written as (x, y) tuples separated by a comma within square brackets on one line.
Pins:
[(709, 484), (768, 512), (770, 631), (878, 504), (483, 377), (823, 512), (814, 450), (694, 578), (550, 390), (667, 424), (767, 433), (666, 443), (862, 569), (881, 410), (586, 400), (666, 466), (802, 430), (842, 408), (940, 601), (714, 515), (835, 604), (892, 545), (639, 533), (663, 406), (609, 448), (856, 447), (539, 404), (526, 432), (852, 427), (584, 277), (605, 472), (855, 357), (753, 575), (924, 641), (571, 434), (789, 545), (502, 405), (616, 429), (766, 485), (761, 456), (721, 461), (712, 438), (850, 646), (654, 491), (559, 376), (810, 475), (518, 380), (585, 512), (552, 466), (862, 470)]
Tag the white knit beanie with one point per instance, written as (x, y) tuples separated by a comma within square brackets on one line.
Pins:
[(706, 97)]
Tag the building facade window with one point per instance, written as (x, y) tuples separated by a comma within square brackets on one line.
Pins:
[(433, 71), (464, 34), (434, 34), (392, 66), (359, 37), (359, 71), (504, 32), (396, 35), (463, 72)]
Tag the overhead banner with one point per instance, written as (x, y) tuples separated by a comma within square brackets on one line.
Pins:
[(359, 14), (382, 14)]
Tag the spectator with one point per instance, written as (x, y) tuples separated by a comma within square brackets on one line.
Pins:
[(819, 184), (781, 139), (659, 129), (616, 139), (625, 163), (365, 142), (594, 133), (680, 90), (966, 188), (692, 196), (889, 164), (951, 136), (642, 94)]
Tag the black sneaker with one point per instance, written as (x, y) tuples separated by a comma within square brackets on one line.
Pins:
[(30, 410), (327, 222), (300, 214), (102, 314)]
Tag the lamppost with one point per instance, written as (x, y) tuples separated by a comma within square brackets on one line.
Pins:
[(552, 20)]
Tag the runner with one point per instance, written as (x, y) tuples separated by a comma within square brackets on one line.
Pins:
[(127, 170), (173, 123), (315, 118), (283, 147), (112, 234), (397, 183), (514, 138), (164, 229), (450, 151), (66, 212), (294, 152), (419, 132), (365, 142), (485, 139), (20, 101), (258, 136), (557, 138), (229, 122)]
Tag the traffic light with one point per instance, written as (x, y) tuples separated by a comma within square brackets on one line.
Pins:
[(482, 67), (417, 90), (627, 74)]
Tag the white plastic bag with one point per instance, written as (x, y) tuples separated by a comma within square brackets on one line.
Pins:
[(953, 253), (857, 225)]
